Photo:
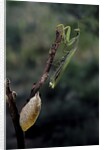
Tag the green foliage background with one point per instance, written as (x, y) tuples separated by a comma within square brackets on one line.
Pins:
[(70, 112)]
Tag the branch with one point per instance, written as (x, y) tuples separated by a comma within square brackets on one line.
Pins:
[(14, 115), (45, 74)]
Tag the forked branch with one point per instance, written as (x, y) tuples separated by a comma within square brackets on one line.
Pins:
[(12, 105)]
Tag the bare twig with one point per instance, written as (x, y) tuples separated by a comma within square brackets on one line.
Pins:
[(45, 74), (12, 105), (14, 115)]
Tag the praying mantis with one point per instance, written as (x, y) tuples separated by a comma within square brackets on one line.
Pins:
[(71, 45)]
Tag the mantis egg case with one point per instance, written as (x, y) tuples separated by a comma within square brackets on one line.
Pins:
[(30, 112)]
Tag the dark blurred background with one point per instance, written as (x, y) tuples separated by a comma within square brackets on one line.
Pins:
[(70, 113)]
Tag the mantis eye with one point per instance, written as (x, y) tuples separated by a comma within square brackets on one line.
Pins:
[(78, 30), (30, 112)]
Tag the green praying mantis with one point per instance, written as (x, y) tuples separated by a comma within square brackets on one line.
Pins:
[(71, 45)]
